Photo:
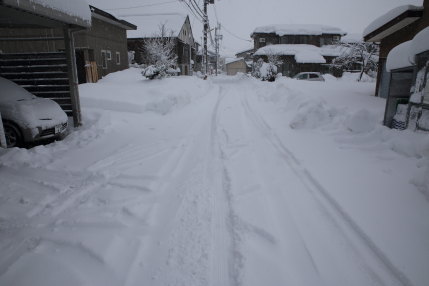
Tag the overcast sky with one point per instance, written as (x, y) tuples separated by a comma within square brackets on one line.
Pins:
[(240, 17)]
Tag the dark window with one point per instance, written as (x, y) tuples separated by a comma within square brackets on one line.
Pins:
[(118, 58), (312, 75), (104, 59)]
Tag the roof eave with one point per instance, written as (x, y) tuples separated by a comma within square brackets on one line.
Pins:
[(394, 25), (47, 12)]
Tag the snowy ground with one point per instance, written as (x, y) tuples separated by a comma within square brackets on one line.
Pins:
[(228, 181)]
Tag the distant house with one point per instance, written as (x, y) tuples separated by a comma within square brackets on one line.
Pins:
[(34, 56), (211, 61), (301, 48), (236, 65), (247, 54), (176, 26), (403, 34)]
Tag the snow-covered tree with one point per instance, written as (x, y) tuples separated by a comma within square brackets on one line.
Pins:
[(361, 55), (267, 70), (160, 56)]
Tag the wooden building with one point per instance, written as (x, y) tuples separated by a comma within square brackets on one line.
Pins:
[(300, 48), (26, 58), (174, 26)]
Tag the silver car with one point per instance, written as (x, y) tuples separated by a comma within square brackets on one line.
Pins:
[(312, 76), (28, 118)]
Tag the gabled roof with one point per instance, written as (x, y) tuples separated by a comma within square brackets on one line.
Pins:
[(391, 22), (74, 12), (296, 29), (107, 17), (148, 25)]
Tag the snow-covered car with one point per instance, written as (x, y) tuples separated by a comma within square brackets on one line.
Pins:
[(28, 118), (313, 76)]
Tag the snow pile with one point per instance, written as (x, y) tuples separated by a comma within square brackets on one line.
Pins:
[(354, 76), (361, 121), (296, 29), (312, 114), (400, 57), (389, 16)]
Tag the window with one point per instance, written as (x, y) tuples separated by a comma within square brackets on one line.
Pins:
[(118, 58), (336, 38), (312, 75), (104, 59), (262, 40), (109, 55)]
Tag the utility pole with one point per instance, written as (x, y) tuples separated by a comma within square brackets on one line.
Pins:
[(218, 37), (206, 30)]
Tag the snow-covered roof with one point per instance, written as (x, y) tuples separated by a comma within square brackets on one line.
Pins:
[(148, 25), (73, 12), (295, 29), (306, 57), (389, 16), (352, 38), (302, 53), (400, 57), (420, 42), (232, 60)]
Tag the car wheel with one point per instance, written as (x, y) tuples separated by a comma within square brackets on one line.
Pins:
[(12, 134)]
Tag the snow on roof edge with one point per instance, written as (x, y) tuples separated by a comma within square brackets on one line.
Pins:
[(389, 16), (400, 57), (420, 42), (298, 29)]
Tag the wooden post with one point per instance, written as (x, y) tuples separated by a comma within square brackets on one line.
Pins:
[(72, 74), (3, 143)]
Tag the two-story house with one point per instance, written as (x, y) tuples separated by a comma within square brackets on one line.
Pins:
[(176, 26), (300, 48)]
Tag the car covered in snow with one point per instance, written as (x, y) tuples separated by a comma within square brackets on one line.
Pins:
[(28, 118), (312, 76)]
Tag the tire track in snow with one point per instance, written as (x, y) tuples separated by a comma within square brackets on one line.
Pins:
[(226, 260), (324, 199)]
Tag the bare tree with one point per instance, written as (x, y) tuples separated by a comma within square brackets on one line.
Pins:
[(357, 55), (160, 56)]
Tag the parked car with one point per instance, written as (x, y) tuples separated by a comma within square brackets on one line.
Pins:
[(313, 76), (28, 118)]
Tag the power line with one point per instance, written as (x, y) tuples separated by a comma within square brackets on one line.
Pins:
[(199, 17), (140, 6), (234, 35)]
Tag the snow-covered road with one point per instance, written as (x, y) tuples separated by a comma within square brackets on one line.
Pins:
[(191, 182)]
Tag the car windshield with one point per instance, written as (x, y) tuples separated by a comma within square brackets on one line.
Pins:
[(10, 91)]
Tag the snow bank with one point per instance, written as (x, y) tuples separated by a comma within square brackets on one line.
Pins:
[(389, 16), (400, 57), (295, 29)]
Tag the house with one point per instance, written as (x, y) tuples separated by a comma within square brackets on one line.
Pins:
[(397, 26), (299, 48), (236, 65), (29, 55), (170, 25), (402, 61), (102, 49)]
